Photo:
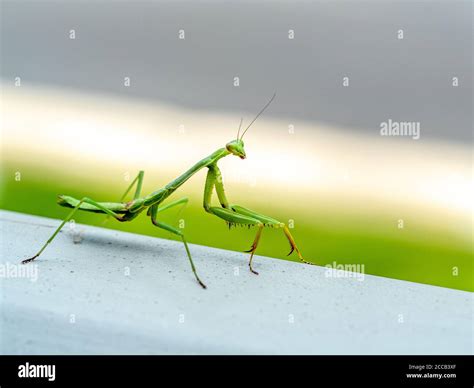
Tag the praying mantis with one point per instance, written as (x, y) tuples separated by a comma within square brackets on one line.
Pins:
[(232, 214)]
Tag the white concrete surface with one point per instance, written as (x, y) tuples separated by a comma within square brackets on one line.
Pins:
[(81, 301)]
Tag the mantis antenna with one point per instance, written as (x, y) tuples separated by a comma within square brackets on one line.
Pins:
[(259, 113), (240, 126)]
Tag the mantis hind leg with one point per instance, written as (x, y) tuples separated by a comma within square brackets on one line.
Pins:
[(153, 211), (69, 216), (139, 182)]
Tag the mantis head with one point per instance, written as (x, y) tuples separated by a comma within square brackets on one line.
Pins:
[(236, 147)]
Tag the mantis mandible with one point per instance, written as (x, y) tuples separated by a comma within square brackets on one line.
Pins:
[(232, 214)]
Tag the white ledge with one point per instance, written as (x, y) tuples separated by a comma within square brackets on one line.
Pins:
[(160, 309)]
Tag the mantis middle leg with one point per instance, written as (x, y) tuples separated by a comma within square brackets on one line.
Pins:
[(139, 181), (154, 210)]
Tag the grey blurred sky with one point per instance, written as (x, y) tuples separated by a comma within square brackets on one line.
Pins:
[(405, 80)]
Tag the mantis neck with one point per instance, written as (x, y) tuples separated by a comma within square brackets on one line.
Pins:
[(161, 194), (211, 159)]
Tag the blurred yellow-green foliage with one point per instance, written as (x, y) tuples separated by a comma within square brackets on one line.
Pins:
[(326, 230), (81, 145)]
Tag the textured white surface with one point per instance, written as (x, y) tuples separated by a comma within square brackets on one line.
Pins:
[(159, 308)]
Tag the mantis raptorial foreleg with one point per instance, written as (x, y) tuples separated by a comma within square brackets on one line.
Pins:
[(214, 181), (234, 218), (70, 215), (235, 214), (154, 210), (274, 223)]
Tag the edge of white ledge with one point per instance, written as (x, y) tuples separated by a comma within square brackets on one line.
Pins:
[(122, 293)]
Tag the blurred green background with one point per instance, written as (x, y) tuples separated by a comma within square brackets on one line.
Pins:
[(326, 231), (91, 90)]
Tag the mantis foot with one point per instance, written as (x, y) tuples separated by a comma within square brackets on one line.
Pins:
[(252, 250), (31, 259), (252, 270), (202, 284)]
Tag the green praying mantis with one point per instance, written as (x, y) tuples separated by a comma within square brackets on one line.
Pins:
[(232, 214)]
